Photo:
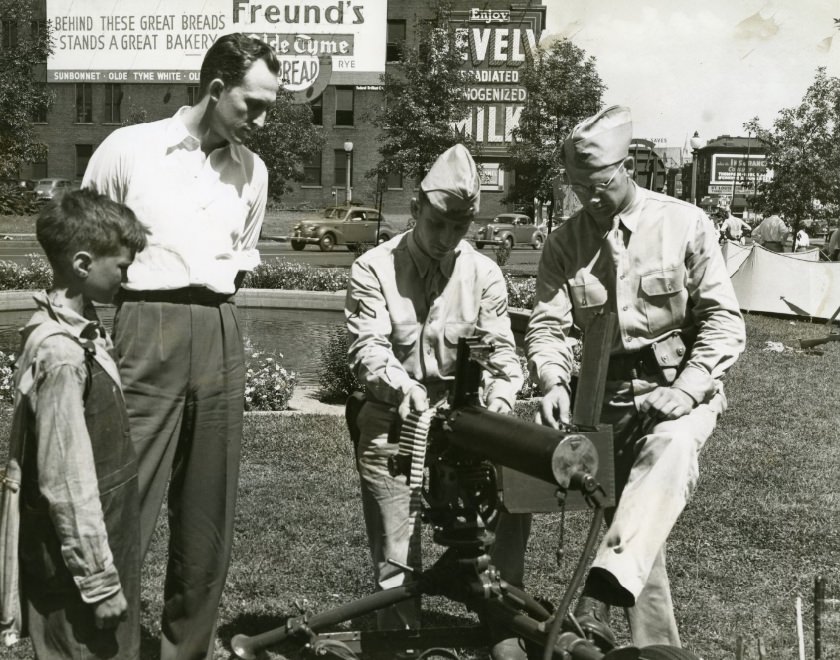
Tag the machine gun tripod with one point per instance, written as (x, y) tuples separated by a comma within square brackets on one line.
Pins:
[(477, 460)]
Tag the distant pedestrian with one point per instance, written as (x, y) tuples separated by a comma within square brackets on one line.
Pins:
[(833, 249), (802, 241), (771, 233), (731, 227)]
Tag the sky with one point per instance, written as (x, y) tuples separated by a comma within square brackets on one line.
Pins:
[(704, 65)]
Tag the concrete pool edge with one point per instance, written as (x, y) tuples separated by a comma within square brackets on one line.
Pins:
[(329, 301)]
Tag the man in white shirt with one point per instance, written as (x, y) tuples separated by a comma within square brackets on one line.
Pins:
[(771, 233), (201, 193)]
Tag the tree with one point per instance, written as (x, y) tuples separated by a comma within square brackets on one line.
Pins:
[(424, 99), (563, 87), (136, 115), (23, 51), (285, 142), (803, 154)]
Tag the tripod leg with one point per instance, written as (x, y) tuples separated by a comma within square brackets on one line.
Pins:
[(247, 647)]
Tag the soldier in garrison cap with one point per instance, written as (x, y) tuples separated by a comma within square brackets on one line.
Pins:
[(655, 262), (408, 302)]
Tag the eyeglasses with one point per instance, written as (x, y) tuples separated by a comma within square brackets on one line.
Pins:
[(582, 190)]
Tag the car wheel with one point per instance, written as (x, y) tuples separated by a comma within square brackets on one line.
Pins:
[(662, 652), (383, 238), (327, 242), (509, 242), (480, 246), (351, 247), (298, 245), (538, 241)]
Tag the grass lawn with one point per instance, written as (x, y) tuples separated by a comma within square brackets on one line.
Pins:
[(765, 519)]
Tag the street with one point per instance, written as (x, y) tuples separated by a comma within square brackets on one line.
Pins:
[(19, 249)]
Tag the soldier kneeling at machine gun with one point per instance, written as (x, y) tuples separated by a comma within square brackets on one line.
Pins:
[(408, 302), (656, 263)]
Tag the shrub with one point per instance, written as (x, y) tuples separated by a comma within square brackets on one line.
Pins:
[(530, 388), (521, 291), (15, 200), (268, 386), (335, 376), (502, 254), (37, 274), (282, 274), (360, 248), (7, 387)]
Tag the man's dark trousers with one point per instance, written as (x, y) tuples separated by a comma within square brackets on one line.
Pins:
[(183, 373)]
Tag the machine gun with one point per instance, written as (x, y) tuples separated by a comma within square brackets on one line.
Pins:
[(476, 462)]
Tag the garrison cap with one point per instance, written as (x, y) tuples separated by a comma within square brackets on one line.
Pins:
[(600, 140), (452, 184)]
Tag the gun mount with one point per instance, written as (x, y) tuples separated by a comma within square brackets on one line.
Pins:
[(477, 462)]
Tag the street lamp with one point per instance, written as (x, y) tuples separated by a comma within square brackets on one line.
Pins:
[(697, 143), (348, 149)]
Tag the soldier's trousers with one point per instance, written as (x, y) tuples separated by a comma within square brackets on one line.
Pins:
[(658, 468)]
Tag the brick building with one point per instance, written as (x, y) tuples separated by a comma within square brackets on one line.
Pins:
[(727, 166), (94, 96)]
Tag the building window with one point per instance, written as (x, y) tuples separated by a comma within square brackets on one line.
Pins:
[(84, 105), (37, 29), (343, 106), (318, 111), (39, 112), (340, 173), (39, 169), (113, 99), (312, 170), (396, 40), (192, 94), (10, 34), (83, 154), (394, 181)]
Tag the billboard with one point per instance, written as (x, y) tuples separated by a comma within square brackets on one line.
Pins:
[(134, 41), (499, 42), (727, 167)]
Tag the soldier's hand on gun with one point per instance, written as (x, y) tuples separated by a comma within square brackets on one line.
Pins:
[(555, 408), (667, 403), (415, 400), (109, 612)]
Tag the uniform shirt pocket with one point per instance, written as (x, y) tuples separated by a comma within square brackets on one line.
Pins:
[(403, 338), (664, 298), (588, 295)]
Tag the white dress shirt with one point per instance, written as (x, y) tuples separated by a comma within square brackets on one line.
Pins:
[(204, 212)]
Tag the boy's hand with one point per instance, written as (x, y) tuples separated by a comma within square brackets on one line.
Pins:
[(109, 612)]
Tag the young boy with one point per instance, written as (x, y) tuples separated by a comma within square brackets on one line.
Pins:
[(79, 530)]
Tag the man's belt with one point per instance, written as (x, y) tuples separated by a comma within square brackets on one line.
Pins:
[(625, 366), (664, 357), (190, 295)]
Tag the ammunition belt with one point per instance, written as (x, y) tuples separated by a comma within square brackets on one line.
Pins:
[(414, 434)]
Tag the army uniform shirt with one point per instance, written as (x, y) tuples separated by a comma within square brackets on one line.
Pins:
[(405, 313)]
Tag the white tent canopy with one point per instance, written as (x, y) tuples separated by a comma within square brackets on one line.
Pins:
[(795, 284)]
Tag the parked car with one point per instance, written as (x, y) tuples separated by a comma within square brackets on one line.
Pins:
[(510, 229), (47, 189), (342, 225)]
